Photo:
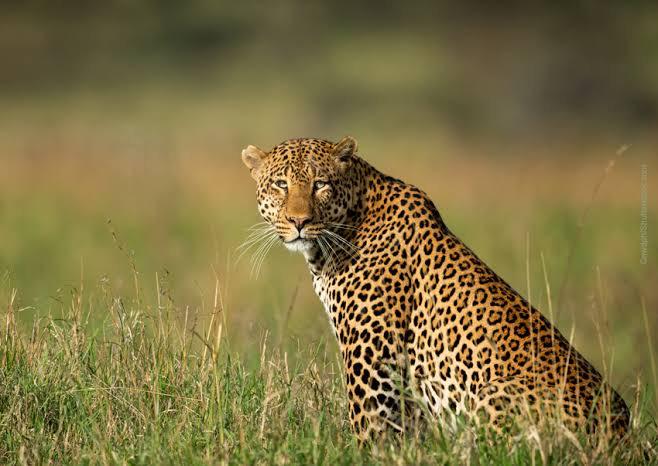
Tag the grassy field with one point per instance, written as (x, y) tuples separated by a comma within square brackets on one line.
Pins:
[(131, 334), (133, 386)]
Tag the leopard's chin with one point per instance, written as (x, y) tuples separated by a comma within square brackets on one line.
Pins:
[(299, 244)]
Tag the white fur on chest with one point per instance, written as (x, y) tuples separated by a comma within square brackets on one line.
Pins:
[(321, 288)]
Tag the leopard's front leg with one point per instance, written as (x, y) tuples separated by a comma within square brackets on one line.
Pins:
[(373, 390)]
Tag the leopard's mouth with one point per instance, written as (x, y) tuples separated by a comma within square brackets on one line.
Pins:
[(309, 234)]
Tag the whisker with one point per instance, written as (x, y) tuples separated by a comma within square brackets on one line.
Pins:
[(256, 244), (263, 254), (260, 233), (343, 226), (259, 225), (349, 253), (329, 259), (343, 241), (323, 248), (255, 231), (265, 241), (259, 255), (350, 249), (252, 241), (333, 253), (260, 230), (255, 238)]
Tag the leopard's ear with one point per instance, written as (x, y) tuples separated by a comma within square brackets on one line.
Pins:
[(253, 157), (344, 151)]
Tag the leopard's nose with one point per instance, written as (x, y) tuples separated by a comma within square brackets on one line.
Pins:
[(299, 220)]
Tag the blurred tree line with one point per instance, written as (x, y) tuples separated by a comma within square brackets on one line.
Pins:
[(594, 64)]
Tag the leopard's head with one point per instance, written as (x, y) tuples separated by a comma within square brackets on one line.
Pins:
[(305, 187)]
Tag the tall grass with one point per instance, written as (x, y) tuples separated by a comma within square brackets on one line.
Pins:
[(140, 388)]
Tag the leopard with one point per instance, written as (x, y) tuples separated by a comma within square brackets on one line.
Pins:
[(419, 319)]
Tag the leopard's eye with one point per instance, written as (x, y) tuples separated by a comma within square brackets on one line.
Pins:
[(281, 184), (319, 185)]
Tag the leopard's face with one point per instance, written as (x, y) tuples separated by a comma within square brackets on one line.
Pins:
[(304, 188)]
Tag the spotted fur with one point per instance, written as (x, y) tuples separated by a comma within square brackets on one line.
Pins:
[(416, 313)]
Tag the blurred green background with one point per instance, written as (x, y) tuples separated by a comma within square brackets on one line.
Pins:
[(122, 122)]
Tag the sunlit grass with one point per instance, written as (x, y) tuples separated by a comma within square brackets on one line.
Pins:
[(141, 387)]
